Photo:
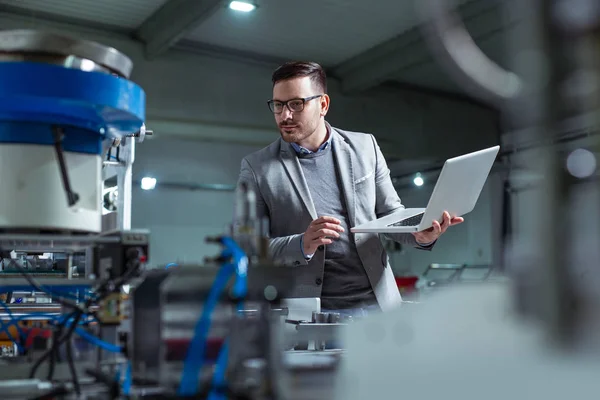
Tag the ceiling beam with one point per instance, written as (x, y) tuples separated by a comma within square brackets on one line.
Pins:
[(224, 53), (439, 94), (174, 20), (386, 61), (32, 19)]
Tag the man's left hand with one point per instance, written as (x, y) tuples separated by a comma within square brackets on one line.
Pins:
[(432, 234)]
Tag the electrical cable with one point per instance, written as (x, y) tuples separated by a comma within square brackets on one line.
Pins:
[(55, 354), (219, 374), (127, 381), (240, 289), (67, 339), (219, 377), (57, 319), (103, 289), (71, 363), (56, 343), (113, 348), (50, 352), (111, 384), (39, 288), (61, 320), (195, 353), (133, 267), (78, 313), (195, 356), (4, 328), (15, 321)]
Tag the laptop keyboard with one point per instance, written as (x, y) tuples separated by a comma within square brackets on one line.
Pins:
[(411, 221)]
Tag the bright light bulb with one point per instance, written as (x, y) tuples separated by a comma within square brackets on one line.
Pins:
[(418, 181), (241, 6), (148, 183)]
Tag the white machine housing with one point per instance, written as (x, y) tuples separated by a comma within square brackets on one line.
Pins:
[(33, 195)]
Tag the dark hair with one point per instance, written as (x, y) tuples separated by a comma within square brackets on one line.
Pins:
[(298, 69)]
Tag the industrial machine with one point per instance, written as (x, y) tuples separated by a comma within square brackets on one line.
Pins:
[(81, 316), (69, 121)]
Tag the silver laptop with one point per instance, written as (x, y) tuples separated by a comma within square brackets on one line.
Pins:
[(456, 191)]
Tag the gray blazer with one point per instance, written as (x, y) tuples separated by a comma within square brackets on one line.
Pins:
[(274, 173)]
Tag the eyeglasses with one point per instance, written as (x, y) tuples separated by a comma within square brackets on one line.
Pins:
[(294, 105)]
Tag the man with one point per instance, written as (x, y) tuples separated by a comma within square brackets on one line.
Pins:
[(314, 184)]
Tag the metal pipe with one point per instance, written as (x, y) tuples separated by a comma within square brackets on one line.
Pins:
[(125, 186), (507, 151), (70, 266), (23, 388)]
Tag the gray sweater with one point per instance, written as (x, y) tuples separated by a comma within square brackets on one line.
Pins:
[(345, 281)]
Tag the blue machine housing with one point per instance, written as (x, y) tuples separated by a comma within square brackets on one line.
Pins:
[(89, 106)]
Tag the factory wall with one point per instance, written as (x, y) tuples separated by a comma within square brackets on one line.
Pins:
[(475, 241), (209, 111), (180, 219)]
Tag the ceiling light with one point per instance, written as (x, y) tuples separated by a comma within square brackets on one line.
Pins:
[(148, 183), (242, 6), (418, 181)]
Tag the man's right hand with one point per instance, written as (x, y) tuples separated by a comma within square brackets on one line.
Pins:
[(319, 233)]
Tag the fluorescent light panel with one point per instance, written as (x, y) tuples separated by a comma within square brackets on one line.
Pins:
[(241, 6)]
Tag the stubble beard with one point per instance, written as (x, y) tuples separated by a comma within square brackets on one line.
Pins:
[(298, 135), (293, 137)]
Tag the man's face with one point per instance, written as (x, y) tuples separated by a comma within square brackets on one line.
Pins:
[(295, 125)]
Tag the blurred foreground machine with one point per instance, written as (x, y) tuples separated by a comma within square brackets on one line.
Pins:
[(536, 338)]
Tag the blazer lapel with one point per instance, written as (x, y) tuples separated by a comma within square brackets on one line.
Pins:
[(294, 170), (343, 160)]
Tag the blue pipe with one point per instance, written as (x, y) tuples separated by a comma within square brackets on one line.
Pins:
[(195, 355)]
